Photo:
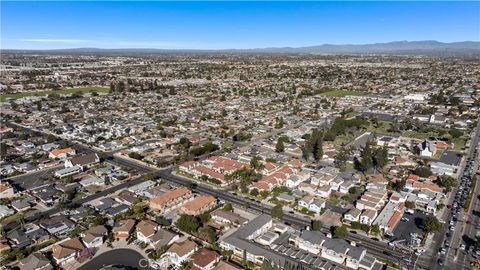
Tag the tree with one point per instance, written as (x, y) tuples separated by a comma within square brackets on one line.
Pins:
[(280, 147), (255, 163), (342, 157), (135, 155), (380, 158), (266, 265), (139, 211), (149, 177), (112, 88), (317, 225), (307, 150), (416, 150), (422, 172), (375, 229), (317, 145), (352, 190), (432, 225), (447, 182), (455, 133), (410, 205), (185, 143), (3, 149), (187, 223), (228, 207), (277, 211), (204, 218), (254, 192), (340, 231), (244, 175), (366, 162)]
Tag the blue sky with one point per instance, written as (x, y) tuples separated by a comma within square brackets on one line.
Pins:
[(221, 25)]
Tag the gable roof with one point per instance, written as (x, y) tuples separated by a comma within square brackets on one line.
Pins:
[(204, 257), (85, 159), (147, 227), (67, 248), (182, 248), (170, 196)]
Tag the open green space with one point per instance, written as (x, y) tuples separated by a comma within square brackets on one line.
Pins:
[(344, 93), (384, 128), (83, 90)]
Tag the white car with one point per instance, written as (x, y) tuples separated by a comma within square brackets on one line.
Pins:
[(419, 251), (462, 247)]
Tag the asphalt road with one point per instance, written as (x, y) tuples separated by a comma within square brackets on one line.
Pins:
[(30, 180), (123, 257), (376, 248), (431, 257)]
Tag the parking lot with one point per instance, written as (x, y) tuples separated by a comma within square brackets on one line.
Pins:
[(413, 225)]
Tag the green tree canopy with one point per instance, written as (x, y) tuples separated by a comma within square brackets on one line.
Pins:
[(277, 211), (340, 231), (432, 224), (187, 223)]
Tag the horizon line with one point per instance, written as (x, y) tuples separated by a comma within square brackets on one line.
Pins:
[(251, 48)]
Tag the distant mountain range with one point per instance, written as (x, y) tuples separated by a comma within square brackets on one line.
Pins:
[(427, 47)]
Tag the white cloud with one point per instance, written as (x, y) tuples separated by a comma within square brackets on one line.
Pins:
[(44, 40)]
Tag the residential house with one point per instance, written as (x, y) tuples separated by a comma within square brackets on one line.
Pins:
[(61, 153), (180, 252), (67, 251), (226, 217), (353, 215), (336, 250), (198, 205), (59, 226), (5, 211), (68, 171), (6, 190), (123, 229), (84, 161), (368, 216), (146, 229), (35, 261), (324, 191), (92, 181), (311, 241), (161, 238), (373, 199), (94, 236), (222, 265), (23, 204), (205, 259), (170, 199)]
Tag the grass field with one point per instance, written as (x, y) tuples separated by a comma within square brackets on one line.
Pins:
[(341, 93), (383, 128), (4, 97)]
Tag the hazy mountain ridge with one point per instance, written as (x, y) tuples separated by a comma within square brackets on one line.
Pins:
[(427, 47)]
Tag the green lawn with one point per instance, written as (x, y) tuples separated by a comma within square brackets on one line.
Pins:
[(342, 93), (4, 97)]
